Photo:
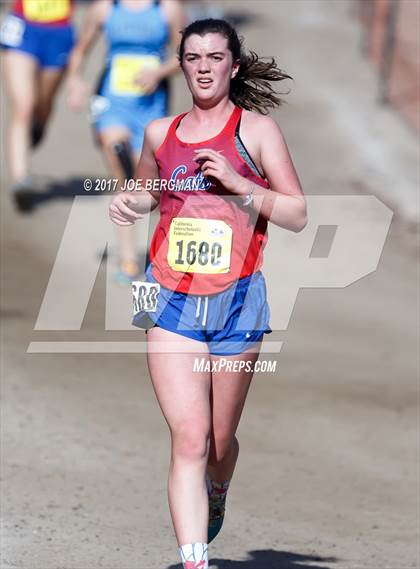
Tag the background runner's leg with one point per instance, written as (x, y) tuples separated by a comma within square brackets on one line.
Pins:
[(123, 153), (108, 138), (20, 72), (126, 236), (49, 81)]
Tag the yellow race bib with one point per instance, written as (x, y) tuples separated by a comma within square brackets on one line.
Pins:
[(46, 10), (199, 245), (125, 70)]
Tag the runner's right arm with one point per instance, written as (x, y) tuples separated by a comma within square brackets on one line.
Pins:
[(127, 207)]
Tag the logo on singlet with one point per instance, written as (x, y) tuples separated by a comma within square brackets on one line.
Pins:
[(189, 184)]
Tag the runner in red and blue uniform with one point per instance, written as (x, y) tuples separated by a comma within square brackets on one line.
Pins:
[(37, 36), (224, 172)]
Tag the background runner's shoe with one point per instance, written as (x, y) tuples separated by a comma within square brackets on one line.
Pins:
[(23, 195), (128, 271)]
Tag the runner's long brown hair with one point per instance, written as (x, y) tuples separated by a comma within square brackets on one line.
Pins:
[(251, 89)]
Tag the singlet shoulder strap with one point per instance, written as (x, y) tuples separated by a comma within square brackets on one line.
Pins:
[(174, 124), (233, 122), (171, 131), (238, 126)]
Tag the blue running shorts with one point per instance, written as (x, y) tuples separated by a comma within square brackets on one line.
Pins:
[(49, 45), (228, 322), (107, 111)]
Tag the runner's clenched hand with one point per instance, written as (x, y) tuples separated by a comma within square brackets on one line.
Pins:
[(148, 80), (214, 164), (122, 209)]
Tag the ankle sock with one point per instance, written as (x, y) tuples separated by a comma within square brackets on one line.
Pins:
[(194, 556)]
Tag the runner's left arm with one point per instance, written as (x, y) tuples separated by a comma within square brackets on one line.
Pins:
[(175, 15), (77, 89), (176, 18), (283, 203)]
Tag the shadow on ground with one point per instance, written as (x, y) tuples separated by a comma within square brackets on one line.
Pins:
[(45, 192), (69, 188), (270, 559)]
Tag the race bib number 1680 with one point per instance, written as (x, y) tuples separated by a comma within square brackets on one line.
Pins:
[(199, 245)]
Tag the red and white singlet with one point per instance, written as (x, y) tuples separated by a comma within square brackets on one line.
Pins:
[(206, 238)]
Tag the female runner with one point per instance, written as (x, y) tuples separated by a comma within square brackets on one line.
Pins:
[(224, 171), (132, 90), (37, 37)]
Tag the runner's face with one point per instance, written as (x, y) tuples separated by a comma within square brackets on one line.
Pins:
[(208, 66)]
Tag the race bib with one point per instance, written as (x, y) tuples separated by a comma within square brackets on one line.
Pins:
[(199, 245), (145, 296), (11, 31), (125, 71), (46, 10)]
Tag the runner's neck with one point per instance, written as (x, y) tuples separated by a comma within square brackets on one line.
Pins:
[(204, 121)]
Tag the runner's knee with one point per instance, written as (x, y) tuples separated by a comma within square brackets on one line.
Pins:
[(222, 446), (190, 442), (22, 111)]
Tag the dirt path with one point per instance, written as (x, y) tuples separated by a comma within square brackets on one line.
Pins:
[(328, 472)]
